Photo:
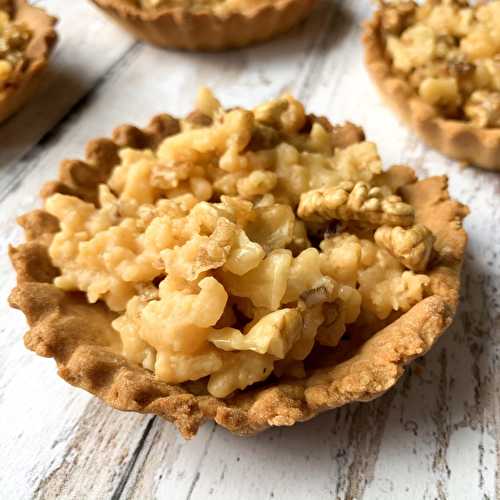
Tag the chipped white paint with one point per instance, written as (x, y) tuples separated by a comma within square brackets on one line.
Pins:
[(434, 436)]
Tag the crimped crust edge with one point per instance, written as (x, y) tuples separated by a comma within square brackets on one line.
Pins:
[(176, 28)]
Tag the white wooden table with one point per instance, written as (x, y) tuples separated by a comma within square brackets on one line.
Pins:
[(436, 435)]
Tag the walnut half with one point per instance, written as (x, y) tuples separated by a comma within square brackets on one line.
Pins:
[(411, 246), (357, 202)]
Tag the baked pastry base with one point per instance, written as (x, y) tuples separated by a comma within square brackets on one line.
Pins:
[(456, 139), (175, 28)]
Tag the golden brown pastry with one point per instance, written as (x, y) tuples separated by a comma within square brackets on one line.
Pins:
[(206, 24)]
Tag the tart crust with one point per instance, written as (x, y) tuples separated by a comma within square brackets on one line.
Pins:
[(177, 28), (78, 335), (456, 139), (38, 52)]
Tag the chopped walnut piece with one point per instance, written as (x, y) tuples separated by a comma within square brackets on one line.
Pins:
[(239, 370), (385, 286), (483, 108), (273, 334), (442, 92), (168, 176), (395, 17), (416, 47), (312, 318), (272, 227), (285, 113), (256, 183), (342, 257), (357, 202), (182, 367), (306, 281), (379, 277), (344, 310), (333, 328), (359, 161), (264, 137), (346, 135), (264, 285), (201, 253), (197, 119), (245, 255), (206, 103), (411, 246)]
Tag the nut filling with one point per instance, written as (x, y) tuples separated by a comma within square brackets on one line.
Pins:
[(242, 242), (14, 39), (449, 52)]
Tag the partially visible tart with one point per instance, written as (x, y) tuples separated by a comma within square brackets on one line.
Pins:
[(206, 24), (251, 267), (27, 37), (437, 64)]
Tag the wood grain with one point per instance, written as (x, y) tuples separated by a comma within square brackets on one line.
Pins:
[(436, 435)]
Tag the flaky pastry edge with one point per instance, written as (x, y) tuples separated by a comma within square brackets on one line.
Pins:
[(38, 52), (177, 28), (456, 139), (65, 327)]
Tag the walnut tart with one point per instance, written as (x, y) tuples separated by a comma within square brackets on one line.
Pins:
[(437, 65), (27, 37), (254, 267)]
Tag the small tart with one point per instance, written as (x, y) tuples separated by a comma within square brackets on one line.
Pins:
[(437, 65), (206, 24), (251, 267), (27, 38)]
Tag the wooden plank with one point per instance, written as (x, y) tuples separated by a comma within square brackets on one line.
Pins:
[(50, 430)]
